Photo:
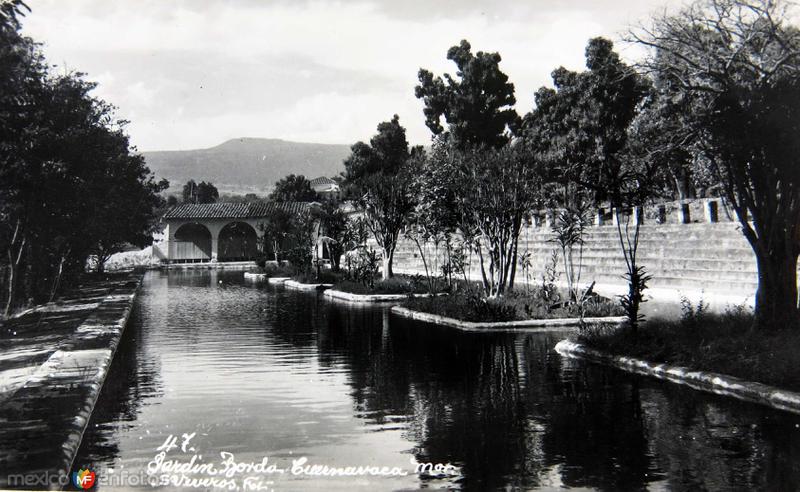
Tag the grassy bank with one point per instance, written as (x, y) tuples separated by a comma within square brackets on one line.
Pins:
[(723, 343), (515, 306)]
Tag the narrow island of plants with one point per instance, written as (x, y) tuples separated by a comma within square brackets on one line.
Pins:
[(725, 343), (399, 284), (536, 303)]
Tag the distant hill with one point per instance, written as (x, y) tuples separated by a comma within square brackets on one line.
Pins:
[(247, 164)]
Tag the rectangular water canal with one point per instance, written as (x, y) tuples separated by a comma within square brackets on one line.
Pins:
[(261, 388)]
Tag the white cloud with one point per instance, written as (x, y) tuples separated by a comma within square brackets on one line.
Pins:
[(314, 71)]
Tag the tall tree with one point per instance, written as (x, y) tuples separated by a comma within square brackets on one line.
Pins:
[(275, 228), (333, 229), (380, 178), (581, 130), (659, 137), (735, 65), (70, 184), (477, 105), (75, 188), (294, 188), (488, 194), (129, 191), (22, 72)]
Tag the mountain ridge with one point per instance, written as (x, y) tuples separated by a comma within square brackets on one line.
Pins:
[(247, 164)]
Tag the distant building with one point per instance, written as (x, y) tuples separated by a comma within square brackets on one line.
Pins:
[(217, 232), (326, 188)]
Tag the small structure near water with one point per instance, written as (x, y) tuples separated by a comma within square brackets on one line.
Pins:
[(217, 232)]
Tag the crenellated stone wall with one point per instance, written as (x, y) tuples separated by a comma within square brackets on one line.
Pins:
[(708, 260)]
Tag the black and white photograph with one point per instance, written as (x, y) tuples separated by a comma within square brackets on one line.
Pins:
[(387, 245)]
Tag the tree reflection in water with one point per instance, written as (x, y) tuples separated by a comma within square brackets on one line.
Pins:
[(504, 407), (511, 412)]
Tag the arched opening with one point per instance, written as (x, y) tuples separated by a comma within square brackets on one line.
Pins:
[(192, 244), (237, 241)]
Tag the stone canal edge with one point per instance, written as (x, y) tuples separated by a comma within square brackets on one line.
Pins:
[(102, 321), (67, 385), (531, 325), (710, 382)]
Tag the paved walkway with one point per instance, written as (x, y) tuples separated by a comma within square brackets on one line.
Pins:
[(53, 361)]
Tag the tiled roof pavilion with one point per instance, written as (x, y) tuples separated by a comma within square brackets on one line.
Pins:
[(249, 210), (200, 232)]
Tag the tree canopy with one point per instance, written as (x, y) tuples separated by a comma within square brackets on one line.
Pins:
[(580, 128), (385, 154), (734, 67), (200, 193), (294, 188), (71, 185), (477, 104), (380, 177)]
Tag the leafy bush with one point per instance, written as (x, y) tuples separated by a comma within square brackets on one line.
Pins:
[(692, 315), (362, 266), (311, 277), (273, 270), (637, 284), (491, 309), (300, 258), (399, 284)]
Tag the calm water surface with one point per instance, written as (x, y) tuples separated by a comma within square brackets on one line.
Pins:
[(263, 371)]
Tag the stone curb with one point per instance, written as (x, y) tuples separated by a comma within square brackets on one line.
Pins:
[(75, 437), (255, 277), (292, 284), (710, 382), (117, 328), (208, 265), (533, 325), (369, 298), (264, 277)]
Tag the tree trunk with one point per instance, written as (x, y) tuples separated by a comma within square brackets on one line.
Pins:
[(386, 273), (389, 263), (776, 297), (11, 282), (424, 264), (484, 277), (13, 267), (514, 259), (101, 263)]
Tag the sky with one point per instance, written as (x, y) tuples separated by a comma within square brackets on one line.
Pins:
[(194, 73)]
